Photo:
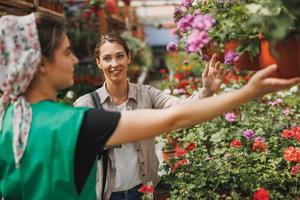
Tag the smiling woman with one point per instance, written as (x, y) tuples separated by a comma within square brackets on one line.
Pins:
[(134, 163)]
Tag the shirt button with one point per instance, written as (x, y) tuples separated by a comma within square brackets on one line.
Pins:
[(142, 163)]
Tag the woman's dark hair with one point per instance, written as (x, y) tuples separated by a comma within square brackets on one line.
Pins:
[(51, 32), (112, 37)]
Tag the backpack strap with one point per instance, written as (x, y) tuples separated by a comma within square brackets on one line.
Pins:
[(96, 100)]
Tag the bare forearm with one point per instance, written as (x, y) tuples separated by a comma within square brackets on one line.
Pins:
[(143, 124), (208, 108)]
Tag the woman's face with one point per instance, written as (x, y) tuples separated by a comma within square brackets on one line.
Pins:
[(113, 61), (59, 71)]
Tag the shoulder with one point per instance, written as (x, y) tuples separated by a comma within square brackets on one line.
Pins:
[(84, 101)]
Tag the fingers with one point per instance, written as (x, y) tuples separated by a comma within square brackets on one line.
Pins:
[(283, 83), (212, 61), (205, 71), (266, 72)]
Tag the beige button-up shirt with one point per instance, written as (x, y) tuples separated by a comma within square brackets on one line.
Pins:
[(139, 97)]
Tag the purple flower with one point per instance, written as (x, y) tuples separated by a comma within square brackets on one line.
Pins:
[(177, 13), (248, 134), (172, 47), (226, 1), (203, 22), (231, 57), (186, 3), (276, 102), (185, 23), (230, 117), (196, 40)]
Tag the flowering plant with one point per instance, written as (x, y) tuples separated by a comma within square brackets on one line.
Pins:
[(220, 21), (147, 191), (254, 155)]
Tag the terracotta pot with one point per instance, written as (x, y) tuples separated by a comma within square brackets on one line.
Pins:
[(166, 155), (244, 62), (161, 195), (287, 58)]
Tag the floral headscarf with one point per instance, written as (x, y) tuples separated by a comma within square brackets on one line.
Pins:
[(20, 55)]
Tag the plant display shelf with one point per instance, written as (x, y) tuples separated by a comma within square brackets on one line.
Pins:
[(17, 7)]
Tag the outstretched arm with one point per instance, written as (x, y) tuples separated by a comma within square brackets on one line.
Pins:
[(143, 124)]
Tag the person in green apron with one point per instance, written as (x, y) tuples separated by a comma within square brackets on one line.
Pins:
[(49, 150)]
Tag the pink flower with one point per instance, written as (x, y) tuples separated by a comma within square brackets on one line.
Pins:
[(248, 134), (203, 22), (196, 40), (186, 3), (185, 23), (172, 47), (286, 112), (230, 117), (295, 170)]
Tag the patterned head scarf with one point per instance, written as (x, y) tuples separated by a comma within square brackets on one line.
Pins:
[(20, 55)]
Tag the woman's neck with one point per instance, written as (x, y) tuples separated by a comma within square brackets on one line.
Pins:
[(37, 92), (118, 91)]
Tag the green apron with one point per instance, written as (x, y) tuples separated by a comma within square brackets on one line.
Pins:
[(46, 169)]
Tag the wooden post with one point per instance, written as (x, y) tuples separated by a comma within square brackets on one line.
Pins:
[(102, 21)]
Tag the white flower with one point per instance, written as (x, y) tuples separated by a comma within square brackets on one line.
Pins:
[(167, 91), (70, 94)]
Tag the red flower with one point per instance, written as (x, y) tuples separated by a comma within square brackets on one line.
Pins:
[(259, 145), (163, 71), (295, 170), (179, 163), (111, 6), (87, 14), (261, 194), (190, 146), (288, 134), (147, 189), (183, 84), (291, 154), (179, 152), (296, 129), (297, 136), (236, 144)]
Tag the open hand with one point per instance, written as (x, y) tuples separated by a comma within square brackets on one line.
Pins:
[(262, 82), (212, 76)]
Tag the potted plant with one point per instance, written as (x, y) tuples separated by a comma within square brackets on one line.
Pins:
[(240, 26)]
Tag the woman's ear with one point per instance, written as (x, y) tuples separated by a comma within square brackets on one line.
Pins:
[(43, 66), (98, 63), (129, 59)]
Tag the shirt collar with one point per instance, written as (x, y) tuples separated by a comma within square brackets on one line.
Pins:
[(104, 94)]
